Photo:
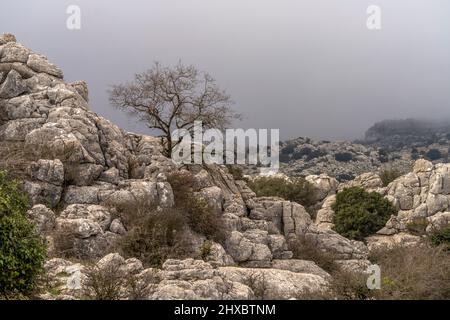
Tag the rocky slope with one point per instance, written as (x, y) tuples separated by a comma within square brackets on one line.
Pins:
[(343, 160), (391, 144), (79, 169), (409, 133)]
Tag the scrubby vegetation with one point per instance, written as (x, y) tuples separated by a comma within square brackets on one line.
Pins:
[(22, 252), (200, 216), (235, 171), (389, 175), (359, 213), (441, 237), (305, 249), (433, 154), (295, 189), (407, 273), (421, 272), (417, 226), (343, 157), (154, 236), (105, 283)]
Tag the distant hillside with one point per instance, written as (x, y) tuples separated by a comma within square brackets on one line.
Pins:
[(397, 134)]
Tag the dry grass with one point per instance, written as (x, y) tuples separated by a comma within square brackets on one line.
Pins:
[(13, 159), (414, 273), (154, 236), (305, 249), (200, 217)]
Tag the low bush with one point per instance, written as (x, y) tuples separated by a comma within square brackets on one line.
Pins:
[(202, 219), (305, 249), (22, 251), (235, 171), (359, 214), (200, 216), (389, 175), (343, 156), (295, 189), (441, 237), (104, 284), (154, 236), (417, 227), (433, 154)]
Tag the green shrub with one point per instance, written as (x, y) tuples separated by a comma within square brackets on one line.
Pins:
[(389, 175), (295, 189), (359, 214), (343, 156), (417, 226), (433, 154), (441, 237), (22, 252), (205, 249)]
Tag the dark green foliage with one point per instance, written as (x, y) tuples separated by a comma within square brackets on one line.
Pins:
[(359, 214), (22, 252), (288, 149), (343, 156), (295, 189), (344, 177), (433, 154), (383, 155), (389, 175), (284, 158), (441, 237), (305, 151)]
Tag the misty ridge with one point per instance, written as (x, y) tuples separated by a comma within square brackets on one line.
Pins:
[(415, 127)]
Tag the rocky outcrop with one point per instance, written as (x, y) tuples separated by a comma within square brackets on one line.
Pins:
[(422, 197), (81, 170), (185, 279)]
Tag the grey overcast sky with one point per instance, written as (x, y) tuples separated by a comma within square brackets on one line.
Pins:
[(308, 67)]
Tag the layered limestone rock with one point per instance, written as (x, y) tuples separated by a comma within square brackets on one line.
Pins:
[(79, 170), (422, 197), (185, 279)]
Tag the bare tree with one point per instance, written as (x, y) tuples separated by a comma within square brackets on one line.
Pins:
[(173, 98)]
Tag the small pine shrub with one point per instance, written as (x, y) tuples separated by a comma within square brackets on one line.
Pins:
[(359, 214), (22, 252), (295, 189)]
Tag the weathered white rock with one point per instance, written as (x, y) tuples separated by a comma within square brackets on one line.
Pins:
[(43, 217)]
